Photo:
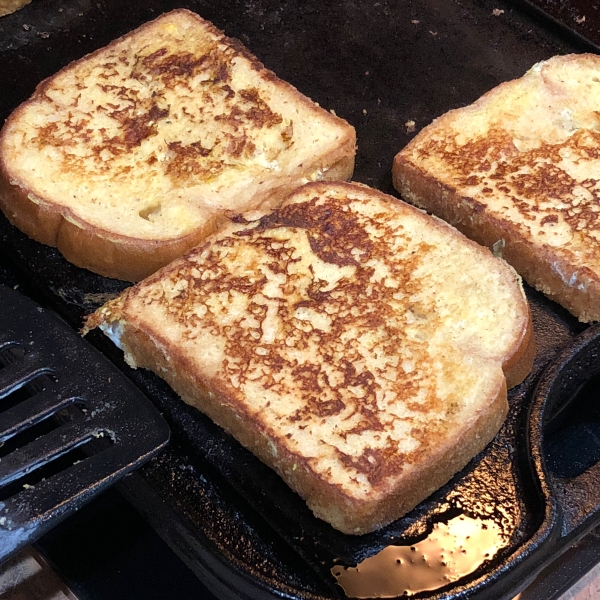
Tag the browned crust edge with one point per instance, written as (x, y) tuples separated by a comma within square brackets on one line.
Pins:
[(519, 364), (90, 247), (7, 7), (538, 264), (328, 502), (128, 258), (104, 252), (324, 499)]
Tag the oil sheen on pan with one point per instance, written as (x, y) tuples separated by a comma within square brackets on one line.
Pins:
[(451, 551)]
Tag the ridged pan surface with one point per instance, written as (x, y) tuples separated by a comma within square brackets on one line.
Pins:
[(389, 68)]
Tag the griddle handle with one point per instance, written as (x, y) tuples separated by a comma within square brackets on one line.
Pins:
[(575, 500)]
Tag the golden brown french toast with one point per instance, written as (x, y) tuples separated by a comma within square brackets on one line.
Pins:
[(130, 156), (358, 346), (8, 7), (519, 171)]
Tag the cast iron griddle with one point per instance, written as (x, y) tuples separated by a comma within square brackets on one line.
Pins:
[(389, 68)]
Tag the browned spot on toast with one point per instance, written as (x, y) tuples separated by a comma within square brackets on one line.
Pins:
[(142, 110), (336, 384), (533, 181)]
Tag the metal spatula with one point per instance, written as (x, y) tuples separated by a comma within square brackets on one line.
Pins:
[(71, 423)]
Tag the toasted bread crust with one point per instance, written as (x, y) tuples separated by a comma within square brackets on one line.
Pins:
[(122, 187), (515, 190), (538, 265), (326, 500), (519, 363), (93, 248), (341, 339), (10, 6)]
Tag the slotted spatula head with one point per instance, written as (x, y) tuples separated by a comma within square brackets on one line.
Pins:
[(71, 423)]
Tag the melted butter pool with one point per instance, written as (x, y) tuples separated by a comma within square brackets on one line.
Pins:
[(451, 551)]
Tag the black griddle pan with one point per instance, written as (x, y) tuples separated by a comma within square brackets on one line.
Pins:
[(389, 68)]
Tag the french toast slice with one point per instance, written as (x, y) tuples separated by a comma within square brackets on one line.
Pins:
[(356, 345), (131, 155), (519, 171), (8, 7)]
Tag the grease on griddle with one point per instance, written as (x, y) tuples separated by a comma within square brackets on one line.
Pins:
[(451, 551)]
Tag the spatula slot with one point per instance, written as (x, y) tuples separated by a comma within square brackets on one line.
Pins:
[(10, 352), (22, 393), (34, 428), (21, 375), (53, 467)]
